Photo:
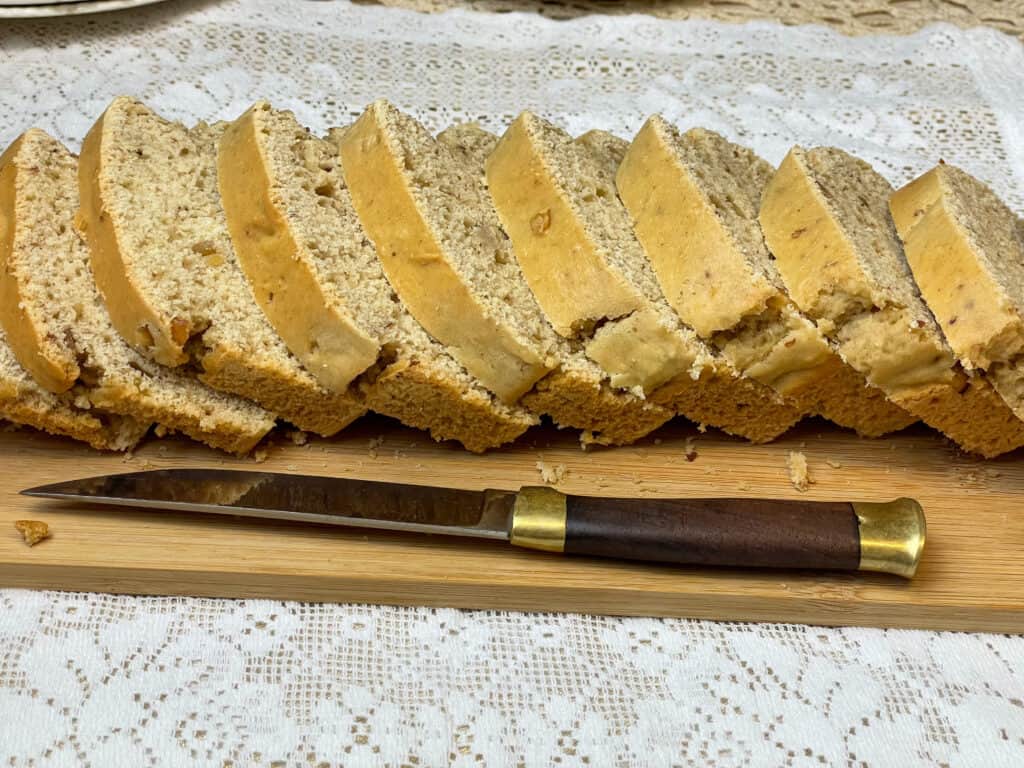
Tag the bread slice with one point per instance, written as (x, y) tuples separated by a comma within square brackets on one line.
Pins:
[(412, 195), (23, 401), (58, 327), (316, 275), (574, 241), (825, 217), (694, 200), (424, 205), (578, 393), (966, 250), (163, 260)]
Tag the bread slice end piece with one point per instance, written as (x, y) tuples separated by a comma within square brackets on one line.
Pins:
[(53, 370)]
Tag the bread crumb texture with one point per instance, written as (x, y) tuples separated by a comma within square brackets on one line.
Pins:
[(551, 474), (799, 474), (32, 531)]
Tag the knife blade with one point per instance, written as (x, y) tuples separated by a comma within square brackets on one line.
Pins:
[(885, 537)]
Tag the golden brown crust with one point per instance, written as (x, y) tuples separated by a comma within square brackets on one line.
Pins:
[(309, 409), (970, 413), (411, 394), (606, 417), (842, 396), (735, 404)]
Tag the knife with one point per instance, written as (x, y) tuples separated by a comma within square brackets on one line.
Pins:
[(885, 537)]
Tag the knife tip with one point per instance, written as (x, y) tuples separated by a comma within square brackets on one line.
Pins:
[(38, 492)]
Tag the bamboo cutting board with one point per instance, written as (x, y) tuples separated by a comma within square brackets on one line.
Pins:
[(971, 577)]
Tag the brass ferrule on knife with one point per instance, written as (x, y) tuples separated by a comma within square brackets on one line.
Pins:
[(539, 519), (885, 537), (892, 535)]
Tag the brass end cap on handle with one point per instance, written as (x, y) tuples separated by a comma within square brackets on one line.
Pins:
[(538, 519), (892, 536)]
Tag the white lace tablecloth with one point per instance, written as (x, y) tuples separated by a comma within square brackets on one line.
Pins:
[(118, 681)]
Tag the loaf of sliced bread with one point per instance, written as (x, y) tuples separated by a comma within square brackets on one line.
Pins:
[(23, 401), (61, 332), (163, 260), (316, 275), (579, 392), (966, 250), (694, 200), (574, 241), (424, 204), (826, 219)]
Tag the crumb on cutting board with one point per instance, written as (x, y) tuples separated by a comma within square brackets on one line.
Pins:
[(689, 451), (32, 531), (551, 473), (799, 475), (298, 437), (373, 445), (260, 455), (833, 463)]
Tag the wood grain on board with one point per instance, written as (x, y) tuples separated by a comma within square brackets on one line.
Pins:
[(971, 576)]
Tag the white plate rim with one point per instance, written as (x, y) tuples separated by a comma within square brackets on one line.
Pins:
[(24, 10)]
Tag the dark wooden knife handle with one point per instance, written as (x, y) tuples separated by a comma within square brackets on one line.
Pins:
[(738, 532)]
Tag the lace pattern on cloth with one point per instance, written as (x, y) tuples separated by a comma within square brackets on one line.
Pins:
[(105, 681), (899, 102)]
